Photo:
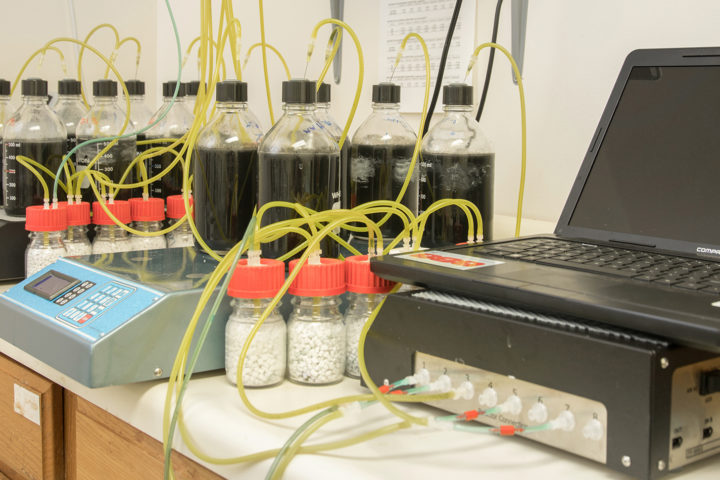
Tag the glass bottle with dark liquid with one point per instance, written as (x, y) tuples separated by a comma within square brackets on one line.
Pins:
[(299, 162), (322, 112), (33, 131), (70, 109), (174, 125), (457, 162), (4, 115), (105, 119), (380, 160), (140, 115), (225, 168)]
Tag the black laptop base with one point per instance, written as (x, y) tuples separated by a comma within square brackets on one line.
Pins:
[(683, 317), (638, 402)]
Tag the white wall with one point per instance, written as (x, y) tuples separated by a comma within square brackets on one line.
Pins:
[(28, 24), (573, 53)]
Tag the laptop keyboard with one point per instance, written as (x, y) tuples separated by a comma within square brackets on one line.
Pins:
[(679, 272)]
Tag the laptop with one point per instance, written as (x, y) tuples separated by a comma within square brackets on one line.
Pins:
[(638, 242)]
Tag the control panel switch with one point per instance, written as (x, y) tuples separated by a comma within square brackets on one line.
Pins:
[(710, 382)]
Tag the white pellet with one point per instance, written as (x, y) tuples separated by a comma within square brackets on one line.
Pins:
[(316, 351), (38, 258), (265, 360), (138, 242), (76, 249)]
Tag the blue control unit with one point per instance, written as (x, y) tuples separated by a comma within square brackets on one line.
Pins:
[(112, 319)]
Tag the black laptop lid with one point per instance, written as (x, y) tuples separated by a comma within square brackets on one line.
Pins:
[(652, 173)]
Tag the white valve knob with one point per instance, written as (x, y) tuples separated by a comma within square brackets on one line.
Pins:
[(593, 430), (564, 421), (538, 413), (442, 384), (512, 406), (488, 397), (466, 390)]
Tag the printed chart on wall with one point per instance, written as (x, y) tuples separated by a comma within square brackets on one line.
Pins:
[(430, 19)]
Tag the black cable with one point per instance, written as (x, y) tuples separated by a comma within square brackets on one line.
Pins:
[(491, 58), (441, 68)]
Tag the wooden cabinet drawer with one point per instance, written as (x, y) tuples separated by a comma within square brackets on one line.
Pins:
[(31, 424)]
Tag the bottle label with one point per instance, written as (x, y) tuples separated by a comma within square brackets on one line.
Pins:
[(10, 165)]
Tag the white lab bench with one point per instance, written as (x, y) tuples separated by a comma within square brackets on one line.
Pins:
[(223, 427)]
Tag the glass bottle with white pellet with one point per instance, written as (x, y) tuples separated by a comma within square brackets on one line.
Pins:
[(316, 332), (253, 288), (76, 238), (365, 292)]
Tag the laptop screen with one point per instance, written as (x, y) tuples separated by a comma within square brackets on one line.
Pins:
[(657, 170)]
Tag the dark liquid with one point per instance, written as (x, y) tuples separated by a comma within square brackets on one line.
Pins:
[(469, 177), (22, 188), (136, 175), (225, 194), (2, 183), (71, 143), (113, 164), (345, 174), (311, 180), (377, 172), (171, 182)]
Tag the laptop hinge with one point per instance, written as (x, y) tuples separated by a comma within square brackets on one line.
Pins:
[(634, 244)]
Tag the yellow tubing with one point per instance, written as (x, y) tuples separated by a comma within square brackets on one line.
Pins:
[(521, 91), (23, 160), (263, 43), (138, 53), (84, 44), (274, 50)]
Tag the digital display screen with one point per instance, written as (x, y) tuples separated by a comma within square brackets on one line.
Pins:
[(657, 171), (51, 284)]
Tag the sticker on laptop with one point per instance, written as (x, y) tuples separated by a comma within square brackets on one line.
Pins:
[(449, 260)]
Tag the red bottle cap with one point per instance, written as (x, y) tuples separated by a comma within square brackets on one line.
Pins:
[(322, 280), (257, 281), (120, 208), (150, 210), (41, 219), (78, 213), (176, 206), (360, 279)]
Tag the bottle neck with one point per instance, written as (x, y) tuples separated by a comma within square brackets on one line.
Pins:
[(457, 108), (325, 107), (184, 228), (227, 107), (51, 239), (364, 301), (105, 101), (298, 108), (4, 99), (254, 308), (34, 100), (111, 233), (69, 98), (386, 107), (137, 98), (76, 234), (316, 308), (153, 226)]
